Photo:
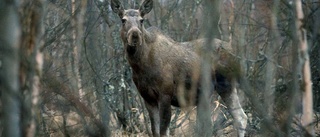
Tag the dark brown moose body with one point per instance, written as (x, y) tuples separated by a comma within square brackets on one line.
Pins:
[(168, 73)]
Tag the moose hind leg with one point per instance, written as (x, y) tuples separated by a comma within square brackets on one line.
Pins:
[(228, 92)]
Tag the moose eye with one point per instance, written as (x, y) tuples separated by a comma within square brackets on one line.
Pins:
[(141, 21), (123, 21)]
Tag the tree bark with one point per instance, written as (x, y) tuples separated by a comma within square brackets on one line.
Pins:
[(307, 99), (270, 70), (77, 26), (9, 68), (210, 29), (31, 61)]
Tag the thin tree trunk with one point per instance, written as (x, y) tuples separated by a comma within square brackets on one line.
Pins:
[(269, 80), (204, 124), (270, 66), (9, 68), (103, 109), (77, 25), (307, 99), (31, 61), (226, 19)]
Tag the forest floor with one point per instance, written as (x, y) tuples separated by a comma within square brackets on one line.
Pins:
[(185, 123), (186, 129)]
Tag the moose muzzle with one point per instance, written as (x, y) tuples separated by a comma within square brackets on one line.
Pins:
[(134, 37)]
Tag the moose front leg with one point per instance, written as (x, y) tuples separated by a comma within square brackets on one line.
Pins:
[(165, 114), (153, 111)]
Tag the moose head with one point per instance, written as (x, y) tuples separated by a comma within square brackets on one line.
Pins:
[(132, 21)]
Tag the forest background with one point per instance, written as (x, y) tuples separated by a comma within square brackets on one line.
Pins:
[(63, 70)]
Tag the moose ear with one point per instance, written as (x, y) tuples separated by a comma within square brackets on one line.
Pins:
[(117, 7), (146, 7)]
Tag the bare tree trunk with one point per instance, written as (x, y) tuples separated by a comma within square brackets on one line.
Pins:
[(269, 90), (210, 28), (268, 95), (226, 19), (239, 38), (270, 66), (9, 68), (103, 110), (77, 26), (307, 99), (31, 61)]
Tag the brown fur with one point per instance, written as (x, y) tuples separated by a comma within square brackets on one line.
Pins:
[(168, 73)]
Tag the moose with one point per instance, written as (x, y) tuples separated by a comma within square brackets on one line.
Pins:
[(167, 72)]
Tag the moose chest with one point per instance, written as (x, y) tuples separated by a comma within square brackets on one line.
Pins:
[(151, 84)]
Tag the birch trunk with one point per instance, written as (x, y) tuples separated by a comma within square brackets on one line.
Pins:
[(307, 99)]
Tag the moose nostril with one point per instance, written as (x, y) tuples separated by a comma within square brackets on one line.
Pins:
[(134, 34)]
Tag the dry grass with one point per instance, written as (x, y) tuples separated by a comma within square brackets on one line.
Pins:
[(59, 124)]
